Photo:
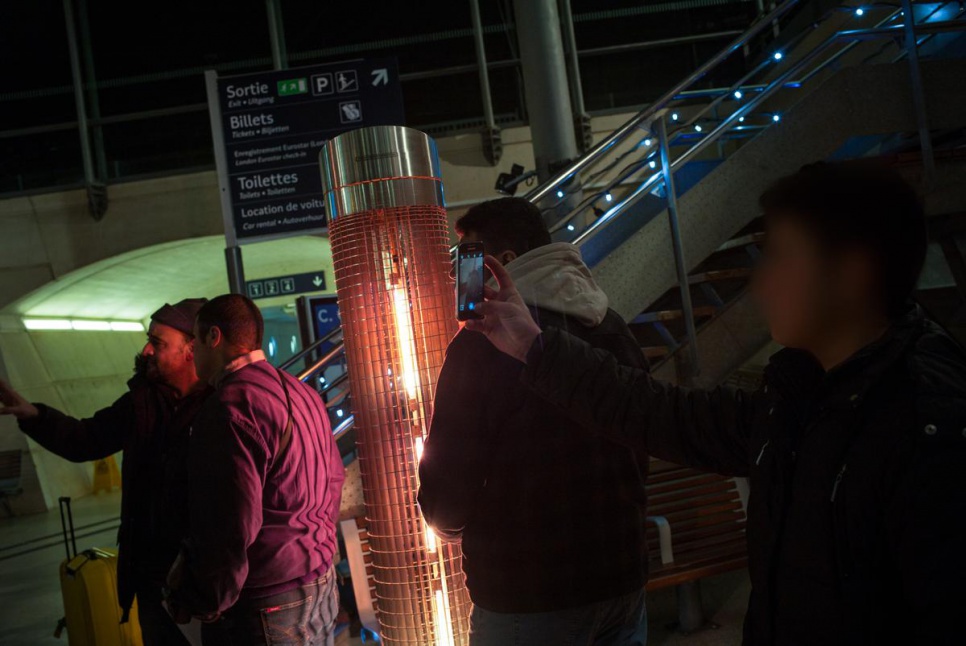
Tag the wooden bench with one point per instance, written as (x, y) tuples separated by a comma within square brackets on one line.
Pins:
[(11, 465), (696, 530)]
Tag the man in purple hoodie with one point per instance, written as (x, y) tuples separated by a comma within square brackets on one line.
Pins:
[(265, 486)]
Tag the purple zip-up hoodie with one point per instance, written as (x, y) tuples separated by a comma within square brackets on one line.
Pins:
[(262, 520)]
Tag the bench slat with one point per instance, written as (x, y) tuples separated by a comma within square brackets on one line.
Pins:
[(689, 497), (684, 532), (707, 523), (720, 503), (734, 547), (675, 488), (670, 579)]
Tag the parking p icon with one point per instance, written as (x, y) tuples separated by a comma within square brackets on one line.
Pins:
[(322, 84)]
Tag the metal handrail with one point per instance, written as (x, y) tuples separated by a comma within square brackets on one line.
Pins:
[(335, 383), (758, 93), (929, 37), (309, 349), (338, 399), (782, 81), (326, 359), (648, 113), (718, 94), (343, 427), (643, 119), (337, 351)]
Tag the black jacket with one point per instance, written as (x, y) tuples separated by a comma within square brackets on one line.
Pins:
[(857, 513), (550, 516), (152, 429)]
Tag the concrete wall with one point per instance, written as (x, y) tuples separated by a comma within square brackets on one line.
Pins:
[(47, 236), (76, 372)]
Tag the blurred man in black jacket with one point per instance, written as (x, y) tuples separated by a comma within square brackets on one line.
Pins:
[(551, 518), (855, 445), (150, 423)]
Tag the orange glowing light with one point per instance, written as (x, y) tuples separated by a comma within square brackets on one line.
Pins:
[(397, 307), (390, 248)]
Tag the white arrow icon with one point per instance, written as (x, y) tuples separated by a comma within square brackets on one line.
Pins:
[(380, 76), (317, 281)]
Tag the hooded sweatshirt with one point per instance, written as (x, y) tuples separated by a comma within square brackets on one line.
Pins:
[(555, 278), (550, 516)]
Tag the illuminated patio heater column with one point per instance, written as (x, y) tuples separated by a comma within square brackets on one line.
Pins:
[(388, 231)]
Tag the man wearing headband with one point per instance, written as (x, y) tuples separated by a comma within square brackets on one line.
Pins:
[(150, 423)]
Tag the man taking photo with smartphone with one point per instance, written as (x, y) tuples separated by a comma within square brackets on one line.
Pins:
[(551, 518)]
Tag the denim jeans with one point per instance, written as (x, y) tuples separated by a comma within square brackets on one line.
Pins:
[(621, 621), (304, 616)]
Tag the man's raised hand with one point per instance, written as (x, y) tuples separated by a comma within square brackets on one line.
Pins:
[(12, 403), (506, 321)]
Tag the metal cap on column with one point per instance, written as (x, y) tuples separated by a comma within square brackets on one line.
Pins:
[(390, 246)]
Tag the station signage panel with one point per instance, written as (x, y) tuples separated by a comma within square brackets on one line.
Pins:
[(325, 315), (285, 285), (268, 129)]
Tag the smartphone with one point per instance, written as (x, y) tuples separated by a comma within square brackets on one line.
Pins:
[(469, 280)]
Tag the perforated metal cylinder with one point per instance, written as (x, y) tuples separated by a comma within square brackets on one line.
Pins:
[(388, 233)]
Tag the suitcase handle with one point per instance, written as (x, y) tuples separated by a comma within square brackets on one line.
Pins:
[(67, 522), (71, 570), (89, 555)]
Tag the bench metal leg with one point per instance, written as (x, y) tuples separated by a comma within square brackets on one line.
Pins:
[(357, 569), (690, 610)]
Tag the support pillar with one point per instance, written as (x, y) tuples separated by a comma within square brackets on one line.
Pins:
[(690, 610), (545, 82), (276, 32), (93, 100), (918, 95), (582, 128), (679, 260), (96, 192), (492, 143), (236, 270)]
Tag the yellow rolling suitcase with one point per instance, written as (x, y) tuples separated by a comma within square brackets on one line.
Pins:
[(88, 581)]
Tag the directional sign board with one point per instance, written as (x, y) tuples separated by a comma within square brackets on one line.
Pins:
[(285, 285), (325, 316), (268, 128)]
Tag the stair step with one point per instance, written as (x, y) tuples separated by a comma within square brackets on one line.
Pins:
[(914, 157), (655, 351), (742, 241), (718, 275), (671, 315)]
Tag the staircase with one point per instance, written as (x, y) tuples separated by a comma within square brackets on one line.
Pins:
[(846, 94), (835, 83)]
